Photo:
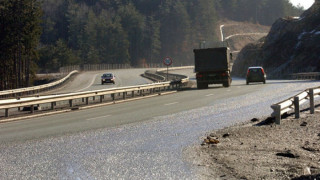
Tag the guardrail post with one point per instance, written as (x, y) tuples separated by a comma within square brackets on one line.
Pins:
[(112, 97), (132, 94), (52, 105), (311, 95), (140, 92), (87, 100), (277, 110), (93, 98), (6, 112), (32, 109), (124, 95), (101, 98), (70, 103), (296, 107)]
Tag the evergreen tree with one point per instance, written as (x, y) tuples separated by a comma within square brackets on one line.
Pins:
[(20, 33), (134, 24), (127, 31)]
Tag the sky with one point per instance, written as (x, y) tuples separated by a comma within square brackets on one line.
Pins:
[(304, 3)]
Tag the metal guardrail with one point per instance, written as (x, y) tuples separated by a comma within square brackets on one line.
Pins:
[(33, 102), (133, 91), (174, 77), (37, 89), (160, 75), (154, 76), (175, 68), (294, 103), (306, 75), (34, 89)]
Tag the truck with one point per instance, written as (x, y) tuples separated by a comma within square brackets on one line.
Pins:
[(212, 66)]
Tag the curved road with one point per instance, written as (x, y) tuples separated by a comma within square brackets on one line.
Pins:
[(88, 81), (91, 80), (144, 139)]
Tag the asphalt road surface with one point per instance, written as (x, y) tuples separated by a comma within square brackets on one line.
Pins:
[(89, 81), (142, 139)]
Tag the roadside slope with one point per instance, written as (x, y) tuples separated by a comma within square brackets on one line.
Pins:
[(239, 34), (288, 151)]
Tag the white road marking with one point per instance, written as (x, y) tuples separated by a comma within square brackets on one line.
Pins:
[(98, 118), (209, 95), (89, 84), (221, 31), (171, 103)]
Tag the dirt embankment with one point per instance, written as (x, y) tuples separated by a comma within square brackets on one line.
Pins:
[(262, 150), (239, 34)]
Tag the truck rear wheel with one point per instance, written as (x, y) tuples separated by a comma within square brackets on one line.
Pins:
[(227, 84)]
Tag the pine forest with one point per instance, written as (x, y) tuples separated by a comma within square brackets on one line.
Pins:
[(44, 35)]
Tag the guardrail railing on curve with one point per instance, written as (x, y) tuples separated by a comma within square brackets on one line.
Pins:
[(160, 75), (34, 89), (174, 77), (33, 102), (294, 103), (154, 76)]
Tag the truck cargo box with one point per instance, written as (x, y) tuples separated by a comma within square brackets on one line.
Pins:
[(211, 59)]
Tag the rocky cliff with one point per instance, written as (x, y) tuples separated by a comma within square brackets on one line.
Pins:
[(292, 46)]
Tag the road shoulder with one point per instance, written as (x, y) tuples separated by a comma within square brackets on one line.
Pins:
[(261, 150)]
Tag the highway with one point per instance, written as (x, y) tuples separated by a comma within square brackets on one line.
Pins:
[(89, 81), (143, 139)]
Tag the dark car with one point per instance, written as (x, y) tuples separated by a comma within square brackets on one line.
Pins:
[(256, 74), (107, 78)]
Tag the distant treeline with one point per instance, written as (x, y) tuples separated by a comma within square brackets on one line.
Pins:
[(124, 31)]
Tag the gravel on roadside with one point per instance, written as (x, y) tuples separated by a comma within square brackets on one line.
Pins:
[(262, 150)]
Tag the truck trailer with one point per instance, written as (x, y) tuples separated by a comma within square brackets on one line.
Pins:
[(212, 66)]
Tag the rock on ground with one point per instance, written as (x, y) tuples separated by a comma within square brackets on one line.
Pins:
[(262, 150)]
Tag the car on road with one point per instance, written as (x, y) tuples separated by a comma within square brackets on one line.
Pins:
[(108, 78), (256, 74)]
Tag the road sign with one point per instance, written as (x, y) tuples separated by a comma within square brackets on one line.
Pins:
[(167, 61)]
